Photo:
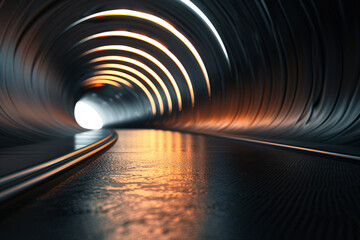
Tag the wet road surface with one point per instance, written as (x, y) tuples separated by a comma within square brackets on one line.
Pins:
[(155, 184)]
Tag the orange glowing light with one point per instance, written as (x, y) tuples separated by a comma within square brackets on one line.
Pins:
[(101, 83), (145, 55), (129, 77), (139, 64), (98, 85), (132, 79), (107, 79), (156, 20), (154, 43)]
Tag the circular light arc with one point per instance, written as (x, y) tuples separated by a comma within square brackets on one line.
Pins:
[(132, 79), (140, 65), (202, 15), (101, 83), (96, 79), (145, 55), (156, 20), (152, 42)]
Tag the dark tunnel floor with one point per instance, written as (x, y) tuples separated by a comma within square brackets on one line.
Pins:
[(168, 185)]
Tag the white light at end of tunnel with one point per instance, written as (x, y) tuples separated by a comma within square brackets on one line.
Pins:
[(86, 116)]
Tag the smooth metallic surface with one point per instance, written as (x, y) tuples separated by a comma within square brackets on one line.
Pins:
[(168, 185), (28, 170), (278, 70), (280, 78)]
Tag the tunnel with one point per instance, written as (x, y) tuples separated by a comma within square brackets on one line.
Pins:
[(264, 93)]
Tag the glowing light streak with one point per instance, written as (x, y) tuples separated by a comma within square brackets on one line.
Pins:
[(141, 65), (100, 79), (154, 43), (135, 81), (137, 73), (145, 55), (156, 20), (202, 15), (95, 85), (101, 83)]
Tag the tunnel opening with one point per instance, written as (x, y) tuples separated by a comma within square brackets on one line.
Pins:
[(225, 67), (86, 116), (203, 96)]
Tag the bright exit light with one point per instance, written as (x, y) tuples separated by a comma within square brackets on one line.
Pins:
[(87, 117)]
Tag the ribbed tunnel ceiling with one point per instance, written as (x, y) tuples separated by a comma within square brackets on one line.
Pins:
[(271, 69)]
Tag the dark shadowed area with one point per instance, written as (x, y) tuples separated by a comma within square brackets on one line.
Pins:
[(168, 185)]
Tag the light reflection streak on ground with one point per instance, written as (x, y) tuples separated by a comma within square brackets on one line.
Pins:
[(158, 191)]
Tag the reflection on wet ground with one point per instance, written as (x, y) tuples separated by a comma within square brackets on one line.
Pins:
[(167, 185), (22, 157)]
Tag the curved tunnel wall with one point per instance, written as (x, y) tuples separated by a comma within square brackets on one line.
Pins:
[(272, 69)]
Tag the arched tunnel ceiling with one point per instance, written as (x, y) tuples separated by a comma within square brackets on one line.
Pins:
[(271, 69)]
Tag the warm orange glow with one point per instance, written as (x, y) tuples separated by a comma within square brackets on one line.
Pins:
[(139, 64), (97, 85), (135, 81), (167, 161), (140, 75), (156, 20), (145, 55), (104, 78), (101, 83), (154, 43)]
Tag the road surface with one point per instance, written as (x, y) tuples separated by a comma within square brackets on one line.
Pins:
[(155, 184)]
